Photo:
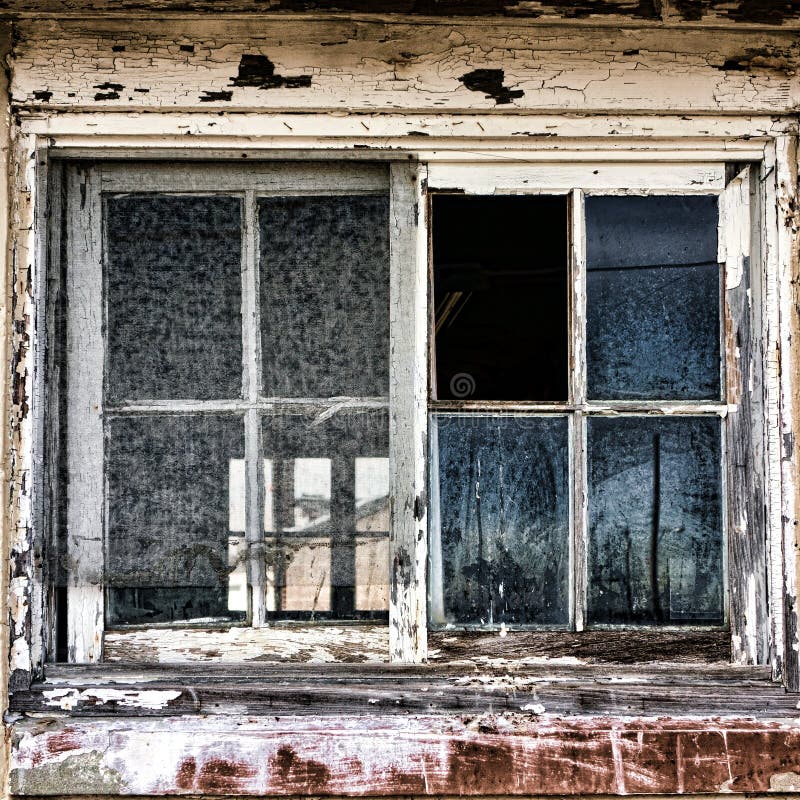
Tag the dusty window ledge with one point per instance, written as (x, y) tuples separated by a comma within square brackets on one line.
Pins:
[(555, 728)]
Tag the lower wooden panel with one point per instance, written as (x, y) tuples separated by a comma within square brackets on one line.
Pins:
[(512, 754)]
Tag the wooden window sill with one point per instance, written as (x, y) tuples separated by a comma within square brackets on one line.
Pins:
[(367, 730)]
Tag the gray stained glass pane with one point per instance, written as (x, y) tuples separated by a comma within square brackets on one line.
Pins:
[(655, 521), (326, 514), (653, 298), (173, 275), (501, 508), (325, 296), (173, 550)]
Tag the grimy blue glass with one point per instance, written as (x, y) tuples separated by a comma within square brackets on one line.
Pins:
[(653, 298), (325, 296), (655, 521), (174, 298), (169, 535), (501, 508)]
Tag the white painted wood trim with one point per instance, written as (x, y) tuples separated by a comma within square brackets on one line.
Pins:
[(408, 414), (784, 184), (309, 178), (577, 345), (560, 178), (86, 489)]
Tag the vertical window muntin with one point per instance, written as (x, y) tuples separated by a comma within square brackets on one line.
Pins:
[(580, 409)]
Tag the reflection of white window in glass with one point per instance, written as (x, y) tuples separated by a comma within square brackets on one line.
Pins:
[(372, 518), (237, 549), (372, 494), (312, 493)]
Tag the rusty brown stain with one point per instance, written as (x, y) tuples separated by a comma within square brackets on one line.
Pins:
[(62, 742), (186, 774), (295, 774), (733, 371), (215, 776), (481, 763)]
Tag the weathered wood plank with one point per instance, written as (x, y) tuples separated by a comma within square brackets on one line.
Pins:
[(320, 644), (491, 754), (369, 694), (595, 646), (319, 65), (408, 411), (746, 525)]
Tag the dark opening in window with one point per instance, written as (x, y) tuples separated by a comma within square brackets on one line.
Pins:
[(500, 267)]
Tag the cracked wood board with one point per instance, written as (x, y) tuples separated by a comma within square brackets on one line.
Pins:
[(320, 65)]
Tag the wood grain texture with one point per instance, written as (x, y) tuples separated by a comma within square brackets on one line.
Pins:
[(595, 646), (555, 689), (746, 525), (408, 413)]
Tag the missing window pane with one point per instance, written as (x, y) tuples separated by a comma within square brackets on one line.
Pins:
[(173, 274), (326, 515), (655, 521), (175, 546), (501, 299), (653, 298), (499, 520)]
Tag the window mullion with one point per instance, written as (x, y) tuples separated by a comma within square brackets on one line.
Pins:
[(85, 490), (254, 462), (578, 399), (408, 416)]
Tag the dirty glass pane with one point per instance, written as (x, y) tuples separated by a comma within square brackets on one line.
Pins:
[(500, 297), (655, 521), (175, 540), (173, 275), (653, 298), (325, 296), (499, 520), (326, 514)]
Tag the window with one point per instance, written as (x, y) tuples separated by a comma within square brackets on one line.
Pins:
[(225, 383), (239, 433)]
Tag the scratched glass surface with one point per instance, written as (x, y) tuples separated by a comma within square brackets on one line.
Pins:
[(175, 541), (326, 515), (655, 521), (653, 298), (500, 520), (325, 296), (173, 284)]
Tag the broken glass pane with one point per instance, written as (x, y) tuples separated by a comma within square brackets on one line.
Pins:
[(655, 521), (653, 298), (501, 297), (325, 296), (175, 549), (499, 520), (326, 514), (173, 273)]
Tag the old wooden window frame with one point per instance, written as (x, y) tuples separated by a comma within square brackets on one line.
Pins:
[(82, 186), (77, 136), (743, 522)]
